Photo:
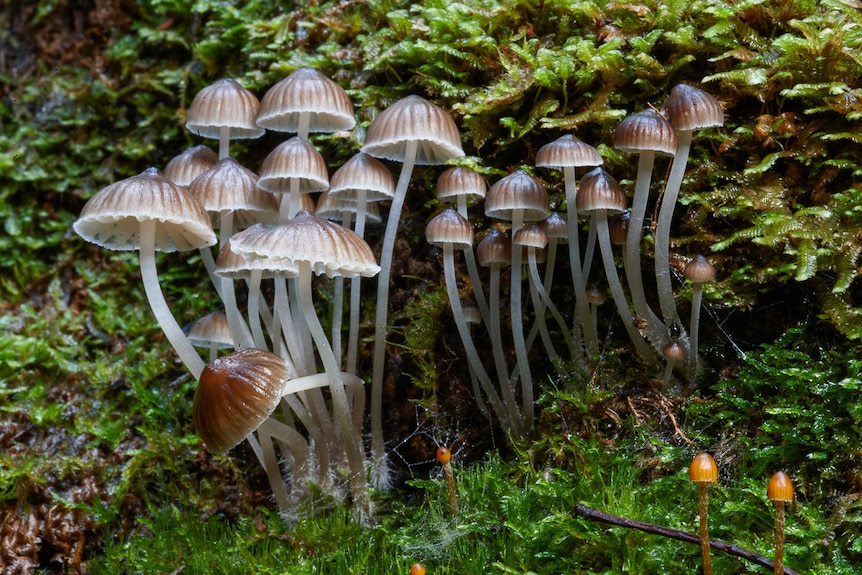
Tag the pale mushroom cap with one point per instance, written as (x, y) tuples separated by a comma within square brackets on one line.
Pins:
[(531, 236), (414, 119), (567, 151), (332, 208), (224, 104), (112, 217), (494, 250), (699, 270), (211, 328), (646, 131), (188, 165), (460, 181), (306, 91), (472, 313), (230, 264), (228, 186), (449, 227), (363, 172), (295, 159), (689, 108), (557, 227), (329, 248), (236, 393), (517, 191), (600, 191)]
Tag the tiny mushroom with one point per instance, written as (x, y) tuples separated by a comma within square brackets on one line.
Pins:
[(225, 111), (698, 271), (780, 492), (704, 471)]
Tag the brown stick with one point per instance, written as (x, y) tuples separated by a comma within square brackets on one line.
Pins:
[(730, 549)]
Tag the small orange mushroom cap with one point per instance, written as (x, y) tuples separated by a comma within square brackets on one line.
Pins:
[(780, 487), (417, 569), (444, 455), (703, 469)]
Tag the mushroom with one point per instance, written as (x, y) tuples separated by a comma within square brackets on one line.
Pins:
[(599, 194), (704, 471), (417, 569), (148, 212), (687, 109), (645, 133), (211, 331), (596, 296), (449, 231), (779, 491), (518, 197), (698, 271), (411, 131), (294, 167), (673, 353), (568, 153), (186, 166), (444, 457), (224, 110)]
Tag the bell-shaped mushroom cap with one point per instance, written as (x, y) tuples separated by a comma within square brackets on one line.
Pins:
[(224, 104), (600, 191), (690, 108), (699, 270), (306, 91), (618, 227), (645, 131), (780, 488), (531, 236), (567, 151), (414, 119), (295, 159), (112, 217), (362, 172), (556, 227), (333, 208), (228, 186), (230, 264), (596, 295), (472, 314), (673, 351), (517, 191), (236, 394), (211, 328), (449, 228), (190, 164), (494, 250), (703, 469), (460, 181), (329, 248)]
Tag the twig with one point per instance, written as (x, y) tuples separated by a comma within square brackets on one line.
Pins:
[(730, 549)]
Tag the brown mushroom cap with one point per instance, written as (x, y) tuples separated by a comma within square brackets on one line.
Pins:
[(494, 250), (567, 151), (112, 217), (366, 173), (414, 119), (703, 469), (600, 191), (531, 236), (517, 191), (224, 104), (211, 328), (449, 227), (673, 351), (229, 186), (689, 108), (645, 131), (596, 295), (332, 208), (306, 91), (295, 159), (236, 394), (699, 270), (780, 488), (185, 167), (556, 227), (230, 264), (460, 181)]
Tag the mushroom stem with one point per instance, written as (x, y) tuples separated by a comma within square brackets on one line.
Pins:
[(591, 339), (355, 289), (546, 300), (380, 468), (704, 527), (696, 297), (224, 142), (779, 537), (517, 320), (269, 461), (473, 269), (164, 317)]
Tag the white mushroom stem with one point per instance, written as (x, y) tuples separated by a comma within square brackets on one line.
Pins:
[(156, 298), (469, 347), (269, 461), (517, 319), (662, 233), (473, 268), (616, 288), (254, 306), (696, 297), (380, 468), (340, 404), (224, 142), (294, 442), (355, 289), (591, 339)]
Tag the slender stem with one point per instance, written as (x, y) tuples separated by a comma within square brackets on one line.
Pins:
[(546, 299), (380, 468), (496, 332), (268, 460), (704, 528), (591, 339), (164, 317), (355, 290), (684, 536), (224, 143), (450, 482), (518, 325), (779, 537), (473, 269), (696, 297)]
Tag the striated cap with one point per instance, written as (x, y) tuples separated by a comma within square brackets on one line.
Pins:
[(517, 191), (689, 108), (306, 91), (414, 119), (600, 191), (556, 227), (224, 104), (236, 393), (531, 236), (229, 186), (294, 160), (494, 250), (366, 173), (211, 328), (567, 151), (449, 228), (459, 181), (188, 165), (645, 131), (699, 270), (112, 217), (333, 208), (230, 264)]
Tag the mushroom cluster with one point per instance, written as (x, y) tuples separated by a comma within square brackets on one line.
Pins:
[(292, 390)]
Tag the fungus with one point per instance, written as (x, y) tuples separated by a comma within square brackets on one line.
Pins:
[(687, 109), (698, 271), (224, 110), (779, 491), (417, 569), (444, 457), (211, 331), (568, 153), (294, 167), (148, 212), (673, 353), (186, 166), (411, 131), (596, 296), (704, 471)]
